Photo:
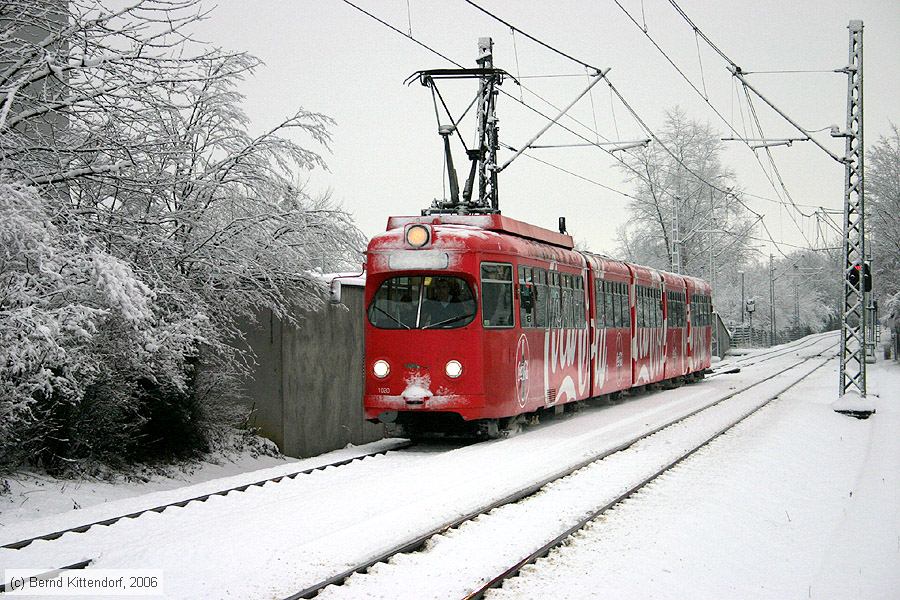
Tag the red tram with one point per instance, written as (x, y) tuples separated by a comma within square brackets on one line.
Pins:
[(479, 320)]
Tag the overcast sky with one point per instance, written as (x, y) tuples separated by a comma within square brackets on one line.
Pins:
[(386, 158)]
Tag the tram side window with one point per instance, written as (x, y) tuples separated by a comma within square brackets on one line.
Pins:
[(638, 306), (658, 305), (555, 300), (609, 317), (568, 301), (540, 276), (623, 314), (670, 306), (598, 303), (527, 304), (674, 320), (679, 309), (615, 302), (638, 317), (580, 317), (496, 294), (643, 318)]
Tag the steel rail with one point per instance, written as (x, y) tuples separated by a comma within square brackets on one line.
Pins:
[(728, 368), (418, 541), (202, 498), (544, 550)]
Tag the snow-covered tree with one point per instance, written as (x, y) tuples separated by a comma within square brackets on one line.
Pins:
[(684, 177), (883, 211), (140, 220)]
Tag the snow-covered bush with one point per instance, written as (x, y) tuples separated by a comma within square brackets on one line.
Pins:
[(152, 222), (82, 350)]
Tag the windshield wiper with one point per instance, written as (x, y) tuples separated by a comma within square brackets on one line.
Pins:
[(448, 321), (390, 316)]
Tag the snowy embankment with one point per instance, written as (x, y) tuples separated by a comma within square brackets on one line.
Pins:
[(270, 541), (39, 504)]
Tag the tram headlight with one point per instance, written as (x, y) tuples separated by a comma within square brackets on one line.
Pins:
[(453, 369), (381, 368), (417, 236)]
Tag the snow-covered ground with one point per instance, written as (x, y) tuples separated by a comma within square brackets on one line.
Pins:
[(35, 496), (797, 502), (764, 512)]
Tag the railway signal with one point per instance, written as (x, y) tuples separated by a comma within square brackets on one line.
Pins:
[(853, 276)]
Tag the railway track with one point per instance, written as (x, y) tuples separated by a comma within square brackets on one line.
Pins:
[(761, 357), (514, 569), (391, 485), (23, 543), (385, 562)]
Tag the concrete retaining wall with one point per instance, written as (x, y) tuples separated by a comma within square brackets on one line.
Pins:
[(721, 336), (307, 389)]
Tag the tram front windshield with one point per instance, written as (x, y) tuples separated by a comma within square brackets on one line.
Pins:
[(422, 302)]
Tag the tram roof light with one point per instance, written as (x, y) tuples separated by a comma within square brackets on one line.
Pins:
[(418, 236)]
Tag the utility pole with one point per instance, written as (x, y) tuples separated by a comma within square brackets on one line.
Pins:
[(771, 300), (853, 315), (742, 297)]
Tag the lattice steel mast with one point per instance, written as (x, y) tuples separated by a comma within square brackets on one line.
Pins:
[(853, 318)]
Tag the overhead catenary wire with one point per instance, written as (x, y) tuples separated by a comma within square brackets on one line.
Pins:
[(453, 62), (777, 172), (705, 97), (736, 71), (512, 33), (534, 39), (635, 114), (582, 177), (589, 66), (641, 122)]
